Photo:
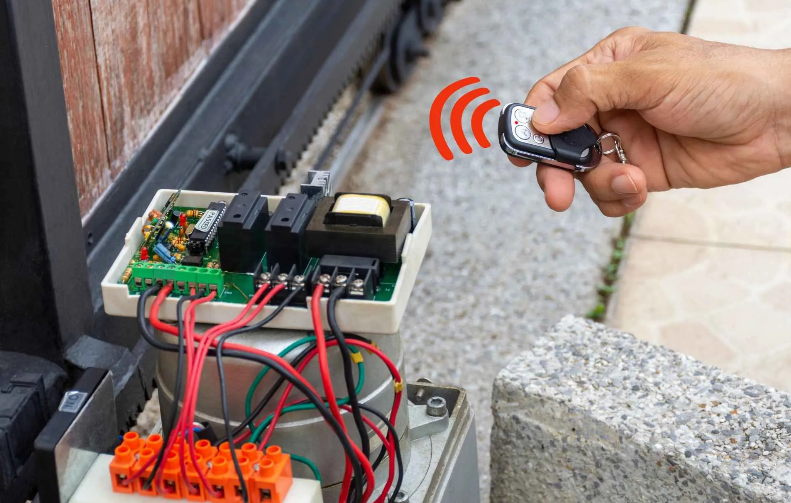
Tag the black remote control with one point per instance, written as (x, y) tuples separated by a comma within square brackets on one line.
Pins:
[(578, 150)]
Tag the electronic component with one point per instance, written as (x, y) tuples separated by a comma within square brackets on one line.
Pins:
[(360, 275), (161, 250), (168, 228), (144, 253), (183, 277), (241, 232), (326, 236), (318, 185), (193, 260), (174, 216), (286, 229), (202, 236), (359, 209)]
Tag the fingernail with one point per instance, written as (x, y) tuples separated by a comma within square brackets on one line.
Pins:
[(623, 184), (546, 113), (633, 201)]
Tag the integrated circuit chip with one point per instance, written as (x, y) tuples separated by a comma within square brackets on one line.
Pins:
[(202, 236)]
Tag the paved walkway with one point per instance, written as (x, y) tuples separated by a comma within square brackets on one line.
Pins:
[(708, 273), (501, 264)]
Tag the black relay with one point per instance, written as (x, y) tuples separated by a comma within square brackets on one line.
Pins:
[(241, 232)]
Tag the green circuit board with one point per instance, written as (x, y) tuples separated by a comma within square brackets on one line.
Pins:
[(235, 288)]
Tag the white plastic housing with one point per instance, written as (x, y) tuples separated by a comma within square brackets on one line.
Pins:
[(361, 316), (97, 487)]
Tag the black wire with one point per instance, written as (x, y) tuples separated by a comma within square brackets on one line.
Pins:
[(260, 407), (396, 446), (354, 403), (168, 429), (275, 388), (263, 360), (224, 389)]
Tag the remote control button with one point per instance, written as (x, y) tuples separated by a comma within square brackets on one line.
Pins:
[(523, 133), (522, 115), (538, 139)]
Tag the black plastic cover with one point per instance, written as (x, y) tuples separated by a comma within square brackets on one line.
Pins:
[(285, 232), (575, 147), (241, 233)]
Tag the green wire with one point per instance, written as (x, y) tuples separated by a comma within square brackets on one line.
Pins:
[(248, 405), (309, 464), (307, 406)]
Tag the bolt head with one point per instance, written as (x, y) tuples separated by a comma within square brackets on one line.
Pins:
[(282, 277), (436, 406), (299, 279), (358, 283), (341, 279), (324, 279)]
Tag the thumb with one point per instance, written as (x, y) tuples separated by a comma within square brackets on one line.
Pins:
[(588, 89)]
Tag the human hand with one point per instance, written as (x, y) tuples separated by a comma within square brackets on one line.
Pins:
[(691, 113)]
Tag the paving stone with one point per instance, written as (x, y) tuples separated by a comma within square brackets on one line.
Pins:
[(593, 414)]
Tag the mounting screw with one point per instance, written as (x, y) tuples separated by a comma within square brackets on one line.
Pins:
[(436, 406), (324, 279), (299, 279), (358, 283), (401, 497), (282, 278), (265, 277), (340, 279)]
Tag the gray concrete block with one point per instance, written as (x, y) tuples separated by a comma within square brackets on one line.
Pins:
[(592, 414)]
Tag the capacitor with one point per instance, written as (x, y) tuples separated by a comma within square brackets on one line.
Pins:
[(126, 275), (157, 258), (180, 247), (154, 215), (166, 232), (144, 253), (178, 257)]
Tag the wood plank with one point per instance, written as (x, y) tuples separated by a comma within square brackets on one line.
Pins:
[(146, 51), (83, 99), (216, 16)]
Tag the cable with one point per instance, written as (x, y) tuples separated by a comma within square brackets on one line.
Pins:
[(263, 359), (171, 423), (396, 445), (310, 464), (223, 388), (332, 304)]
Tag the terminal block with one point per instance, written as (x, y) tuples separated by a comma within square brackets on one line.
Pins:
[(268, 476)]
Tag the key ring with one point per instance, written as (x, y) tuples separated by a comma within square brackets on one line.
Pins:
[(617, 148)]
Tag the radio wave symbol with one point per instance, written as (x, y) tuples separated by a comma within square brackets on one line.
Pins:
[(456, 113)]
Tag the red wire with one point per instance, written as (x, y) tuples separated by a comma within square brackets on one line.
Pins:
[(326, 379), (281, 405), (391, 454)]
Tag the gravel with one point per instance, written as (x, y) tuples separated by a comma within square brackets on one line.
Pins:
[(566, 415), (501, 264)]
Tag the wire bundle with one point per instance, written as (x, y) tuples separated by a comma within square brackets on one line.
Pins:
[(194, 348)]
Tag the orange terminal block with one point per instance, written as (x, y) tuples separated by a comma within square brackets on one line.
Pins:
[(171, 477), (216, 478), (233, 491), (146, 456), (273, 479), (133, 441), (225, 451), (193, 488), (205, 449), (121, 468), (251, 452)]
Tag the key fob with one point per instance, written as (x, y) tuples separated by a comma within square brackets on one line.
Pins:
[(578, 150)]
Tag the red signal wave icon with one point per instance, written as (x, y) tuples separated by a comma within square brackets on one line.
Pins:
[(456, 114)]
